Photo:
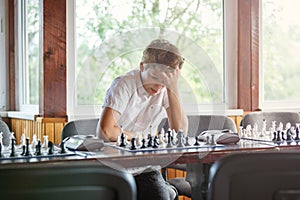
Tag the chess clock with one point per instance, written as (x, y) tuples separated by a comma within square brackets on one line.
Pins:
[(83, 143)]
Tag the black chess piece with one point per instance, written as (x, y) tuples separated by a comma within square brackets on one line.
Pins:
[(196, 143), (155, 142), (1, 150), (122, 136), (38, 149), (13, 153), (282, 135), (297, 134), (278, 138), (23, 150), (27, 148), (274, 136), (50, 148), (133, 147), (169, 144), (288, 135), (143, 144), (149, 141), (187, 141), (62, 148)]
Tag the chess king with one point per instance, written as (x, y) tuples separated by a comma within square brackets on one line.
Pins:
[(140, 99)]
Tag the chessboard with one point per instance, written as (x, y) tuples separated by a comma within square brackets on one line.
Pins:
[(28, 151), (276, 135), (154, 143)]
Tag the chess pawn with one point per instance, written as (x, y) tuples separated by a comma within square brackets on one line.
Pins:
[(34, 141), (241, 131), (288, 126), (45, 143), (161, 140), (23, 139), (1, 138)]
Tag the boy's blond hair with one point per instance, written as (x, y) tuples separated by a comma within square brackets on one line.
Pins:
[(163, 52)]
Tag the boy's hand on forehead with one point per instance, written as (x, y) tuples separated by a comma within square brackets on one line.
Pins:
[(170, 77)]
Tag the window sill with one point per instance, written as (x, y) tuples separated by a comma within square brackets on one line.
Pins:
[(21, 115)]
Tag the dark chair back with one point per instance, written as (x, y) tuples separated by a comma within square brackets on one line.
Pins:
[(65, 180), (259, 176), (258, 117), (6, 133), (80, 127), (200, 123)]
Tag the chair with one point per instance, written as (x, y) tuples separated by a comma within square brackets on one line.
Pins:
[(259, 176), (6, 133), (80, 127), (76, 180), (258, 117), (198, 124)]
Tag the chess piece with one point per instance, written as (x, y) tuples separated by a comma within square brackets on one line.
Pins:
[(122, 138), (155, 142), (180, 138), (212, 142), (133, 147), (196, 141), (1, 149), (297, 134), (278, 138), (23, 139), (27, 148), (274, 136), (12, 153), (169, 142), (1, 138), (62, 148), (34, 141), (23, 149), (38, 148), (50, 148), (149, 141), (45, 143), (143, 144), (187, 141)]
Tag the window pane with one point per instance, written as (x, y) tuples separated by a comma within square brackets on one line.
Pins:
[(280, 50), (31, 70), (112, 34)]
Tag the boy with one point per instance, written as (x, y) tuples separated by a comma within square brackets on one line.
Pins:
[(141, 99)]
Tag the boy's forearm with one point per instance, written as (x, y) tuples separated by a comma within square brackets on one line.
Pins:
[(178, 119)]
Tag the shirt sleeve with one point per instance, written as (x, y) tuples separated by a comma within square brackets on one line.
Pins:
[(117, 96)]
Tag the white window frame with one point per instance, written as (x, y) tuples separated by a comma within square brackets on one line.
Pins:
[(3, 56), (21, 60), (230, 69), (293, 106)]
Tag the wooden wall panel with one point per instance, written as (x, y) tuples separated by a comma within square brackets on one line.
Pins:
[(41, 127)]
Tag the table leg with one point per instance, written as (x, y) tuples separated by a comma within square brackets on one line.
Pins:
[(196, 177)]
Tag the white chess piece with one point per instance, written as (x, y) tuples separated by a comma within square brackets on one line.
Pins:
[(1, 138), (34, 141), (288, 126), (23, 139), (45, 143)]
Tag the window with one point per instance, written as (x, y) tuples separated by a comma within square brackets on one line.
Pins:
[(2, 56), (110, 36), (28, 51), (280, 62)]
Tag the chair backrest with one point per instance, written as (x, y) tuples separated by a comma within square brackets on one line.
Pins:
[(258, 117), (80, 127), (66, 180), (259, 176), (200, 123), (6, 133)]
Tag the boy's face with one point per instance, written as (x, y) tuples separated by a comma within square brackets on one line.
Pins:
[(152, 78)]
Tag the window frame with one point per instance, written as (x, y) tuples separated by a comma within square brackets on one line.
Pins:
[(21, 60), (267, 105), (229, 75)]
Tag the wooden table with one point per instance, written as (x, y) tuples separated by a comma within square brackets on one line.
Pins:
[(194, 158)]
